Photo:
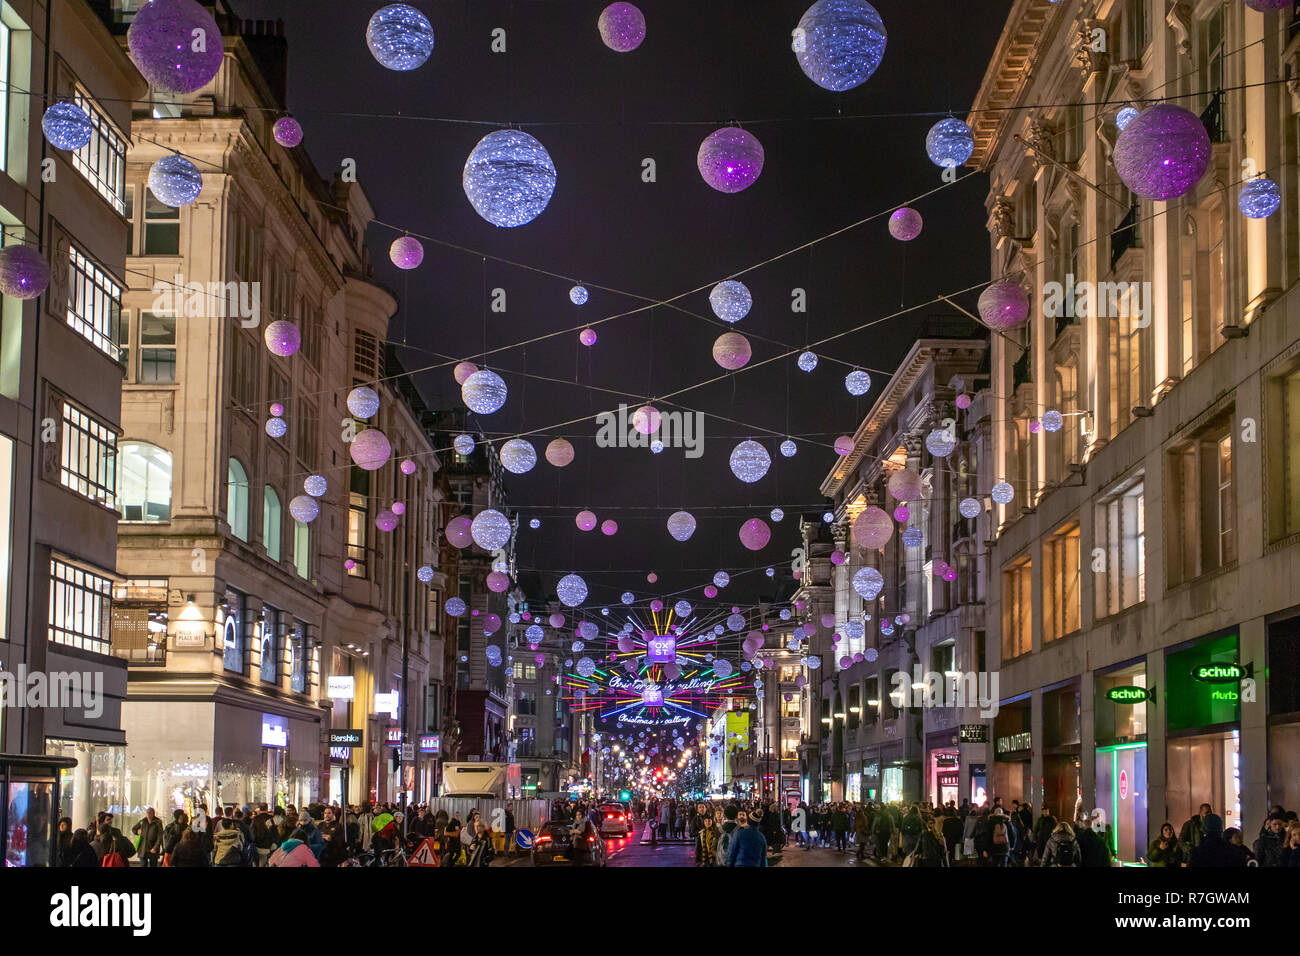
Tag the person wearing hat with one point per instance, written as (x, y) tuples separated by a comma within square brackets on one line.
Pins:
[(1270, 848), (1213, 850), (1002, 837)]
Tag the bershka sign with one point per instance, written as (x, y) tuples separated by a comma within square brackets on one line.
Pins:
[(345, 738)]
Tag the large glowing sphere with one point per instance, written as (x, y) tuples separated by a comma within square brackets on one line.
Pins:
[(455, 607), (755, 534), (534, 634), (463, 444), (287, 131), (682, 609), (807, 361), (463, 371), (559, 452), (585, 520), (66, 126), (571, 590), (940, 442), (400, 37), (282, 338), (1259, 198), (622, 27), (1163, 152), (839, 43), (509, 178), (24, 273), (587, 337), (315, 485), (857, 382), (459, 531), (175, 181), (484, 391), (609, 527), (497, 581), (905, 224), (1004, 305), (304, 509), (788, 448), (370, 449), (854, 630), (722, 667), (681, 525), (518, 456), (1002, 493), (843, 445), (730, 159), (905, 485), (730, 300), (949, 143), (585, 667), (1263, 6), (424, 573), (750, 461), (735, 622), (731, 351), (386, 520), (1053, 420), (868, 582), (646, 419), (969, 507), (176, 45), (722, 579), (872, 529), (363, 402), (406, 252), (490, 529)]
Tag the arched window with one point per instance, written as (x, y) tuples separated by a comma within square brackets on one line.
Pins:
[(271, 523), (237, 499), (144, 482)]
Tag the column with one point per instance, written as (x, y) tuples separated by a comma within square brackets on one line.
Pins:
[(1035, 793), (1156, 756), (1253, 744)]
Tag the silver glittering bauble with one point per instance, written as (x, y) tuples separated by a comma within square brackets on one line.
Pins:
[(853, 630), (788, 448), (656, 446), (463, 444), (840, 43), (721, 579), (777, 514), (484, 391), (949, 143), (912, 538), (735, 622), (1002, 493), (304, 509), (400, 37), (1259, 198), (518, 456), (509, 178), (627, 597), (534, 634), (682, 609), (66, 126), (578, 295), (730, 300), (490, 529), (1163, 152), (315, 485), (750, 461), (585, 666), (868, 582), (857, 382), (969, 507), (424, 573), (175, 181), (807, 361), (534, 523), (1053, 420), (176, 45), (681, 525), (1125, 116), (276, 427), (770, 572), (363, 402), (730, 159), (571, 590), (940, 443), (1004, 305)]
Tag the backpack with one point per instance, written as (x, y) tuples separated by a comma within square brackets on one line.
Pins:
[(251, 855), (1000, 833), (1067, 854), (724, 847)]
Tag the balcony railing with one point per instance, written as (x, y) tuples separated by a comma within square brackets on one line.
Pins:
[(1124, 237)]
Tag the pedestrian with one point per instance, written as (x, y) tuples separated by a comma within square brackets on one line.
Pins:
[(150, 831), (951, 829), (80, 853), (1060, 848), (730, 824), (1043, 830), (1002, 837), (1212, 850), (1165, 850), (1190, 835), (840, 825), (748, 848), (1093, 851), (1270, 846), (481, 851), (510, 828), (228, 845), (861, 831), (911, 830), (190, 850), (63, 842), (294, 852), (706, 842)]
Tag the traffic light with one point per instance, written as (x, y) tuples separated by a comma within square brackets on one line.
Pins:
[(625, 795)]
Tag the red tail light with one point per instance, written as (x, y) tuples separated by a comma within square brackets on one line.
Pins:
[(543, 839)]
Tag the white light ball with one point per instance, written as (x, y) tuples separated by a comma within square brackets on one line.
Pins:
[(464, 444), (571, 590), (363, 402), (175, 181), (484, 392), (840, 43), (276, 427), (777, 514), (807, 361), (370, 449), (731, 300), (969, 507), (518, 456), (304, 509), (400, 37), (949, 143), (578, 295), (788, 448), (721, 579), (750, 461), (509, 178), (681, 525), (868, 582), (490, 529), (315, 485), (627, 597), (682, 609), (857, 382), (1002, 493), (1052, 421), (424, 573)]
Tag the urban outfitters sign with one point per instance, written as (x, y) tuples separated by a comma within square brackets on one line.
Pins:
[(974, 734), (1013, 743)]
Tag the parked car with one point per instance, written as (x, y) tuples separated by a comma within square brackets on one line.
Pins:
[(614, 820), (558, 843)]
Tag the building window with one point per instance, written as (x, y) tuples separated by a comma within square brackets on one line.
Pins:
[(102, 161), (306, 425), (237, 499), (162, 227), (6, 520), (1202, 506), (79, 607), (271, 521), (1124, 355), (1119, 530), (1061, 601), (87, 466), (144, 482), (6, 64), (524, 671), (124, 344), (94, 303), (232, 631), (365, 356), (129, 213), (1282, 447), (1017, 609), (1218, 277), (272, 629), (358, 521), (302, 549), (243, 372), (157, 349), (139, 620)]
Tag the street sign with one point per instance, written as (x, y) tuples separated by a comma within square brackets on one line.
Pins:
[(425, 855), (408, 752), (524, 838)]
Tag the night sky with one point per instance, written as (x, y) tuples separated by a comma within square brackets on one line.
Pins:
[(599, 114)]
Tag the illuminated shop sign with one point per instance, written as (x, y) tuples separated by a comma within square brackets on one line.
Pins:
[(275, 731), (974, 734), (386, 704), (1128, 694), (341, 688), (345, 738), (1218, 673), (394, 736), (430, 744), (1013, 743), (661, 648), (341, 754)]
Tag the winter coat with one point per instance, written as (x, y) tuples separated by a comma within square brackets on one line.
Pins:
[(839, 821), (189, 854), (1043, 830), (748, 848), (151, 835), (706, 843), (930, 851), (952, 830), (293, 853), (315, 841), (1061, 849), (1092, 849), (1172, 855), (728, 831), (1269, 847), (228, 846), (861, 825), (1190, 835)]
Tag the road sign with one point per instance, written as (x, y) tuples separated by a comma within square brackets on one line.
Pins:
[(408, 752), (425, 855), (524, 838)]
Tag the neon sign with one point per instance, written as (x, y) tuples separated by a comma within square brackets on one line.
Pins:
[(1218, 673), (661, 648), (1128, 694)]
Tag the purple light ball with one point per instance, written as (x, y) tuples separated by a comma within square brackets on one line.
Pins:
[(398, 508), (282, 338), (1004, 305), (963, 401), (406, 252), (905, 224), (24, 273), (386, 521), (730, 159), (287, 132), (277, 409), (587, 337), (1163, 152), (407, 466), (622, 27), (755, 534), (1264, 6), (162, 40), (370, 449)]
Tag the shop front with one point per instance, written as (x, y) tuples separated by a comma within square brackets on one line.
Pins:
[(943, 763), (1012, 752), (1061, 746), (1203, 727), (97, 782), (1120, 699), (900, 778), (428, 751), (1284, 712), (871, 774)]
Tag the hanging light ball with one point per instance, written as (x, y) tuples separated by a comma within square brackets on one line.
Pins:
[(1263, 6), (872, 529), (386, 520), (1004, 305), (770, 572), (949, 143), (755, 534), (950, 574), (710, 592), (656, 605), (455, 607), (788, 448), (837, 558), (901, 514), (400, 37), (646, 420), (963, 401), (857, 382), (622, 27), (1035, 426), (363, 402), (1125, 116), (1259, 198), (905, 485), (840, 43), (730, 159), (176, 45), (490, 529), (731, 350), (1163, 152), (556, 620), (497, 582), (459, 531), (722, 668), (854, 630), (518, 456), (509, 178), (24, 273), (587, 337), (370, 449), (175, 181), (559, 452), (1053, 420), (807, 361), (843, 445), (585, 520), (652, 577), (868, 582), (627, 597), (735, 622), (905, 224), (407, 466), (969, 507), (484, 392), (463, 444), (609, 527), (681, 525), (777, 514), (730, 300), (304, 509), (682, 609), (1002, 493), (315, 485), (940, 442), (406, 252), (534, 523), (750, 461), (578, 295), (656, 447), (66, 126), (828, 517), (463, 371), (287, 131), (912, 538), (282, 338)]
